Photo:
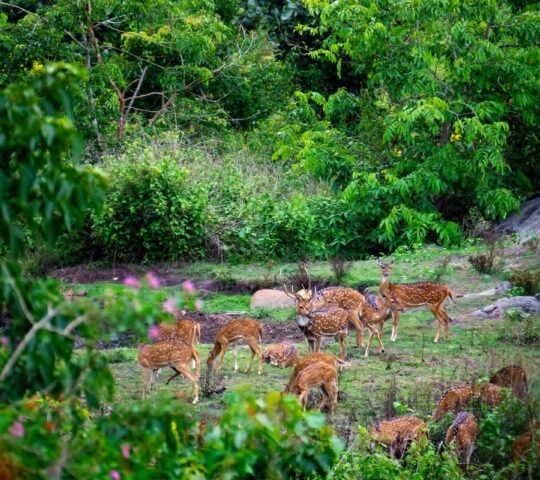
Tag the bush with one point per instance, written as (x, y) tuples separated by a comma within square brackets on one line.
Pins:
[(340, 268), (486, 262), (152, 210), (527, 280)]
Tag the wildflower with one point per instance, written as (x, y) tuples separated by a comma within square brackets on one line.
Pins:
[(153, 332), (125, 450), (131, 282), (153, 280), (4, 341), (188, 286), (198, 304), (115, 475), (169, 305), (17, 430)]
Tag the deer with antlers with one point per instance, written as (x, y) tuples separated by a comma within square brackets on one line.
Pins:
[(321, 375), (398, 433), (402, 296), (175, 353), (240, 330), (345, 298), (512, 377), (463, 433), (282, 355)]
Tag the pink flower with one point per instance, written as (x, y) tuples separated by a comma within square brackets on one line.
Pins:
[(153, 332), (131, 282), (115, 475), (198, 304), (17, 430), (153, 280), (169, 305), (4, 341), (125, 450), (188, 286)]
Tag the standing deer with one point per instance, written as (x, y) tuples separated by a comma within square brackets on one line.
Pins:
[(523, 444), (374, 312), (316, 375), (513, 377), (463, 431), (314, 358), (397, 433), (185, 329), (348, 299), (174, 353), (281, 355), (401, 296), (240, 330)]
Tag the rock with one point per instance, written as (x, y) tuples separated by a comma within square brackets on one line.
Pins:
[(268, 298), (526, 222), (497, 309)]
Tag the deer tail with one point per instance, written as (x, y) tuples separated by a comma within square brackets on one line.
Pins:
[(260, 333)]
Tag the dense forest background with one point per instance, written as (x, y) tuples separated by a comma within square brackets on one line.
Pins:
[(249, 129)]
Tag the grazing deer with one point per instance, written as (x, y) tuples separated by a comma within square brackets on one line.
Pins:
[(463, 431), (374, 312), (513, 377), (315, 358), (316, 375), (457, 399), (401, 296), (281, 355), (345, 298), (397, 433), (325, 322), (174, 353), (236, 331), (523, 444), (185, 329)]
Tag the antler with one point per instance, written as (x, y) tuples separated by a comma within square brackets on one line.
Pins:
[(289, 294)]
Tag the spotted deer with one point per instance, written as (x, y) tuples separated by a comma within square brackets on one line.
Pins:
[(240, 330), (374, 312), (397, 433), (185, 329), (321, 375), (463, 433), (315, 358), (348, 299), (458, 399), (512, 377), (282, 355), (523, 444), (175, 353), (402, 296)]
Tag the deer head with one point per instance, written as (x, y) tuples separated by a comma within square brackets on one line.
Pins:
[(386, 267)]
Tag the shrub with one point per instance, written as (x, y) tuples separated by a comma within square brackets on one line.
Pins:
[(152, 210), (486, 262), (339, 267), (527, 280)]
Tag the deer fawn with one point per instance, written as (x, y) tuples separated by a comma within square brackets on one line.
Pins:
[(523, 444), (397, 433), (374, 312), (175, 353), (316, 375), (341, 297), (463, 431), (185, 329), (234, 332), (457, 399), (315, 358), (281, 355), (512, 377), (400, 296)]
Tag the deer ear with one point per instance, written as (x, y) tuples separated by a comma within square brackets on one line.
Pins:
[(379, 262)]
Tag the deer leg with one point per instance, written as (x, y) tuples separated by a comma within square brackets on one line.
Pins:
[(303, 398), (379, 338), (250, 360), (255, 350), (222, 355), (184, 370), (324, 400), (196, 362), (439, 321), (153, 376), (366, 353), (354, 319), (395, 323), (318, 344), (343, 341), (235, 356), (146, 378)]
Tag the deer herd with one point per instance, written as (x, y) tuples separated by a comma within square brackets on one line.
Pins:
[(327, 313)]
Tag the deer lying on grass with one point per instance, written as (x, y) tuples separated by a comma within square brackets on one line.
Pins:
[(523, 444), (282, 355), (341, 297), (512, 377), (463, 432), (457, 399), (374, 312), (321, 375), (175, 353), (240, 330), (401, 296), (185, 329), (397, 433)]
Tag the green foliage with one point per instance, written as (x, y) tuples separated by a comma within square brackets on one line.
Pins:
[(528, 281), (152, 210)]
